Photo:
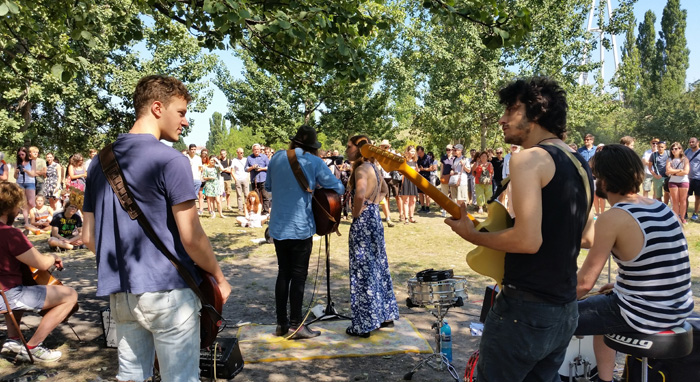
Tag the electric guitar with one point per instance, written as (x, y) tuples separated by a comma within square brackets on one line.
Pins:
[(483, 260)]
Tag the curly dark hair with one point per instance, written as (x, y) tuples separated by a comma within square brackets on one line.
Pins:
[(544, 100)]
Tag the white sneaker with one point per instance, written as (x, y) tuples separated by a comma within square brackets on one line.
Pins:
[(444, 213), (213, 215), (11, 347), (40, 354)]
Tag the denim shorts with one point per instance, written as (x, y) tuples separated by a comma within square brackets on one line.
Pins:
[(525, 341), (600, 314), (27, 186), (30, 298), (166, 323)]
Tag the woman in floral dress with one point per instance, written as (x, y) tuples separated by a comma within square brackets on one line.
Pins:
[(52, 187), (372, 298), (211, 173)]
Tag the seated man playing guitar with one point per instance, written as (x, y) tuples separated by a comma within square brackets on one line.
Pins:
[(531, 323), (17, 252)]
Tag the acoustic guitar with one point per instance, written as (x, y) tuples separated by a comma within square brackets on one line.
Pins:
[(483, 260), (211, 320)]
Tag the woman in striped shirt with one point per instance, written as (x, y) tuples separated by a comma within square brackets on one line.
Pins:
[(652, 289)]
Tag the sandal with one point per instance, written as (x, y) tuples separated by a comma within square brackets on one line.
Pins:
[(387, 324), (412, 220), (351, 332)]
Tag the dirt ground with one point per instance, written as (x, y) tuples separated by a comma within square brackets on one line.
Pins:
[(252, 301)]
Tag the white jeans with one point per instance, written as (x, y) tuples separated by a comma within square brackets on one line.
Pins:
[(166, 323)]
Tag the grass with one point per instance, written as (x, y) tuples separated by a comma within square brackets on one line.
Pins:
[(430, 243)]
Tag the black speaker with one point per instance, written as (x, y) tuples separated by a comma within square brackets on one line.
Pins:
[(229, 361)]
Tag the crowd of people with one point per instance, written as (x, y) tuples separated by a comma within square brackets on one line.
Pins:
[(550, 192)]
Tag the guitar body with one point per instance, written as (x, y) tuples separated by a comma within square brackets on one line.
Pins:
[(326, 202), (487, 261), (210, 322), (482, 260)]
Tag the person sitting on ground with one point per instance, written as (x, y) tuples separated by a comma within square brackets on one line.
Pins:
[(56, 300), (253, 217), (40, 217), (652, 291), (64, 225)]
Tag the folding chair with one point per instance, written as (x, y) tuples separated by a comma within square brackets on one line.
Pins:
[(13, 321)]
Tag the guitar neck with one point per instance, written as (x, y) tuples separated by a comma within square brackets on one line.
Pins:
[(441, 199), (391, 162)]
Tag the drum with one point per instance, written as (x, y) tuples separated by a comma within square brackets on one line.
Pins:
[(443, 292), (579, 360)]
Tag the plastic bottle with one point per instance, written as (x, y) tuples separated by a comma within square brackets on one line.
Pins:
[(446, 340)]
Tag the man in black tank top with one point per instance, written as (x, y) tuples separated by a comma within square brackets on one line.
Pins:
[(531, 323)]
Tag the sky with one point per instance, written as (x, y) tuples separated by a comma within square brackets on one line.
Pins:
[(200, 130)]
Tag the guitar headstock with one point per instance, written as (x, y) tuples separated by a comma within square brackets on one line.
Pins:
[(388, 160)]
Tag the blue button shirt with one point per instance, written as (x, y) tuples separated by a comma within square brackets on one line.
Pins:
[(587, 154), (292, 217), (262, 161)]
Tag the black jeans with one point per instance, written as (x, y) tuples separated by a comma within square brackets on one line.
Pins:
[(264, 197), (293, 262)]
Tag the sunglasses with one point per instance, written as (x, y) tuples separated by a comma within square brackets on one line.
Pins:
[(448, 149), (499, 152)]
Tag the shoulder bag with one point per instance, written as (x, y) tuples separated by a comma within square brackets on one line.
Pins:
[(211, 321)]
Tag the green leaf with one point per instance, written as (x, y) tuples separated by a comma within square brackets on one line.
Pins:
[(284, 24), (14, 8), (4, 9), (244, 13), (83, 61), (86, 35), (66, 76), (57, 70)]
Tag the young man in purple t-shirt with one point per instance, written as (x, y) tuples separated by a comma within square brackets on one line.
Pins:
[(154, 309), (16, 251)]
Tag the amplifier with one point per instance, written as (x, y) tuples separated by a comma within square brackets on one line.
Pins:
[(109, 328), (229, 360)]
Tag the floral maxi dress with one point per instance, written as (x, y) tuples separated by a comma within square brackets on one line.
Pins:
[(372, 298)]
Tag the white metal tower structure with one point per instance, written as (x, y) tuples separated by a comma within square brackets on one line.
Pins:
[(583, 77)]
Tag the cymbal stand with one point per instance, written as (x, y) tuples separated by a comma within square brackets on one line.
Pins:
[(437, 360)]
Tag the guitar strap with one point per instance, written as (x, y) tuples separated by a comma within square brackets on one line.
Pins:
[(115, 177), (303, 183)]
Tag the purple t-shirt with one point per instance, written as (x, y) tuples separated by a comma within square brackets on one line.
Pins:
[(159, 177)]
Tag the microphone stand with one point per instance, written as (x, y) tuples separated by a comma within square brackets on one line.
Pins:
[(329, 313)]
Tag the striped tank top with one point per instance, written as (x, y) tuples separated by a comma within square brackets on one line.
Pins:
[(43, 215), (654, 288)]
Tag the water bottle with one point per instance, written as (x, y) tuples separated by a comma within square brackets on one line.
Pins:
[(446, 341)]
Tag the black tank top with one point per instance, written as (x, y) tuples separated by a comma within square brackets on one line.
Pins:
[(551, 272)]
